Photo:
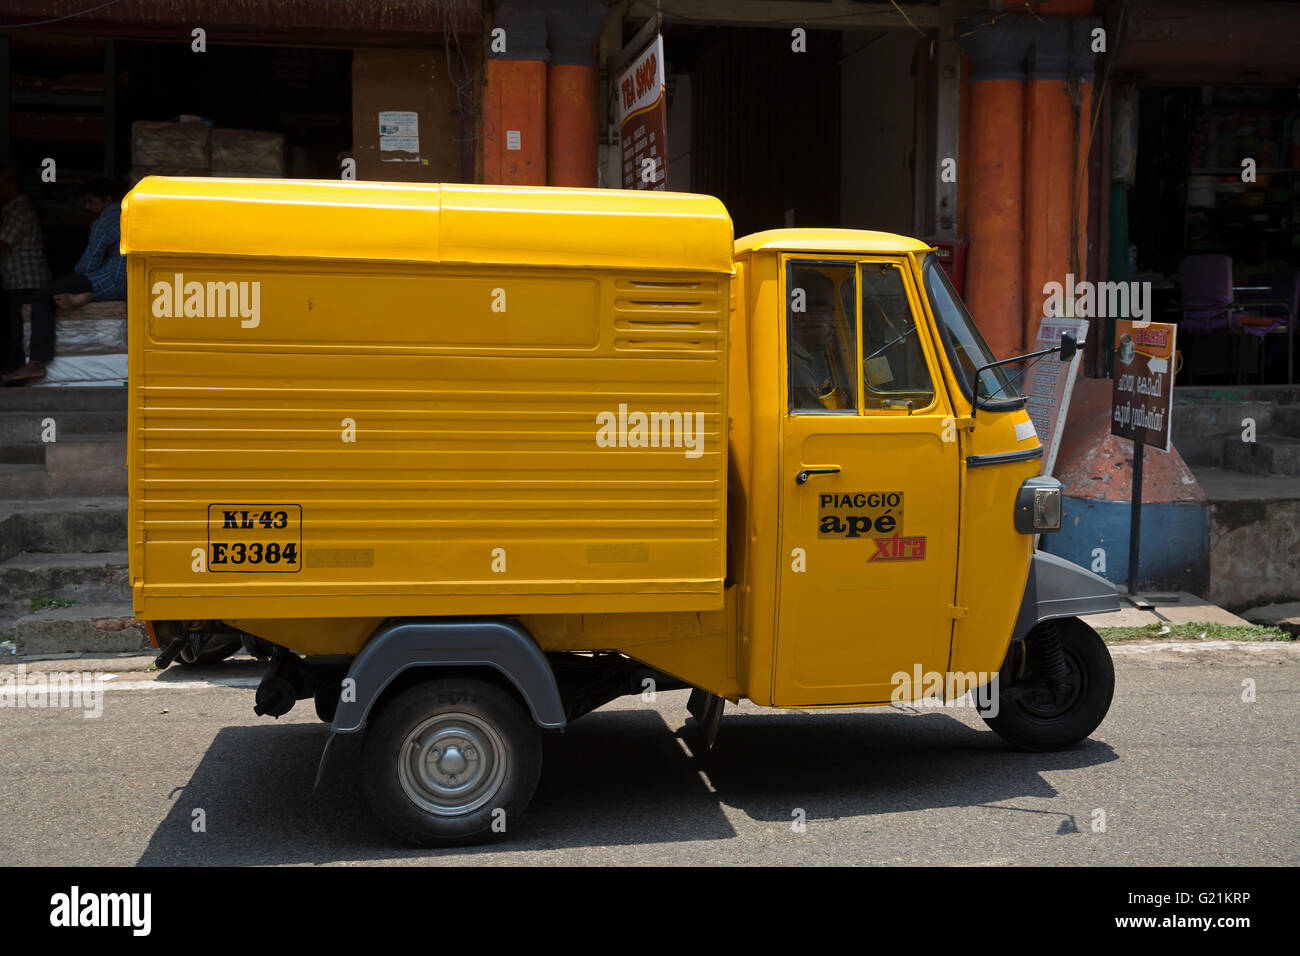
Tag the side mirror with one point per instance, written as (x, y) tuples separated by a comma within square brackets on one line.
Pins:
[(1069, 345)]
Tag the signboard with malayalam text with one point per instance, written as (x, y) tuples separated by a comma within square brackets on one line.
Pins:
[(1142, 400), (643, 119)]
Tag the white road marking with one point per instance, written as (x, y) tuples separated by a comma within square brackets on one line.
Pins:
[(197, 683)]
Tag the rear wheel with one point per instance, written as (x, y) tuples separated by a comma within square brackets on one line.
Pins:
[(451, 761), (1055, 687)]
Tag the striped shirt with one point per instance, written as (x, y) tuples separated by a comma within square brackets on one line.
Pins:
[(22, 265), (102, 262)]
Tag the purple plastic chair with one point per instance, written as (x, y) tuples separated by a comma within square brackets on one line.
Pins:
[(1210, 303), (1282, 301)]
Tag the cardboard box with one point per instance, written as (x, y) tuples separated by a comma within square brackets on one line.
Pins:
[(185, 145), (247, 152)]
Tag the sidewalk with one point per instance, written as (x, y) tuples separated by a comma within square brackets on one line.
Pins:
[(1167, 607)]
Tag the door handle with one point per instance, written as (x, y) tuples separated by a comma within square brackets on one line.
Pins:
[(806, 473)]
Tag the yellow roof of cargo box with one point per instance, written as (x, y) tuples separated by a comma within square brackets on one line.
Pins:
[(417, 222)]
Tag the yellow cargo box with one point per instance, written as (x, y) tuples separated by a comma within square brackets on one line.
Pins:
[(351, 399)]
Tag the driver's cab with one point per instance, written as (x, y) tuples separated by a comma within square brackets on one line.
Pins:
[(891, 553)]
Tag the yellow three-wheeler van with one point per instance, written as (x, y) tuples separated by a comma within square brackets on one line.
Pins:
[(464, 463)]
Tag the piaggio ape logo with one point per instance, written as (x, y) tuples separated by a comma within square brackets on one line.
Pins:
[(877, 515), (856, 514)]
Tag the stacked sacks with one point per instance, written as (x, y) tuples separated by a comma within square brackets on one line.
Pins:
[(90, 345)]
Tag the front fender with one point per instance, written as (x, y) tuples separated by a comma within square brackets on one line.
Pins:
[(1058, 588), (400, 644)]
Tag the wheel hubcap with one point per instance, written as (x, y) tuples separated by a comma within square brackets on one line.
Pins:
[(452, 764), (1051, 697)]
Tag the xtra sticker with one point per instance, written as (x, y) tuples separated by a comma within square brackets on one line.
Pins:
[(899, 548), (855, 514)]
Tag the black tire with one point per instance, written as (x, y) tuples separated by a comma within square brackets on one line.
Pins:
[(491, 736), (1040, 715)]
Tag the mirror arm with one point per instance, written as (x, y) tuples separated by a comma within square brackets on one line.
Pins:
[(1006, 361)]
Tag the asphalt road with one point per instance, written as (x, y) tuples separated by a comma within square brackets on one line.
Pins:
[(1185, 771)]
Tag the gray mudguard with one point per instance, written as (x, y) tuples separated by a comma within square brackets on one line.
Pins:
[(1057, 588), (404, 643)]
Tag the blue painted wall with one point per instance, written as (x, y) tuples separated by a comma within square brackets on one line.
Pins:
[(1175, 548)]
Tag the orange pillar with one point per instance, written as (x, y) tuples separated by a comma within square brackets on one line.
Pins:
[(514, 98), (1079, 262), (1050, 170), (994, 178), (573, 27), (571, 122)]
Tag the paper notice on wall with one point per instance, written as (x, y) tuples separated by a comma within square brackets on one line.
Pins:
[(399, 131)]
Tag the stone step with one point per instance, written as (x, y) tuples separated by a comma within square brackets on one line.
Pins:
[(24, 481), (1269, 455), (1206, 416), (63, 399), (62, 525), (1254, 536), (80, 465), (1286, 421), (94, 467), (31, 427), (82, 628), (1201, 433), (22, 455), (83, 578)]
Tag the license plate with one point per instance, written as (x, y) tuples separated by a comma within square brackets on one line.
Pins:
[(254, 538)]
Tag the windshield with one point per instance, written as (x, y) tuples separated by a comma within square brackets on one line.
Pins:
[(966, 347)]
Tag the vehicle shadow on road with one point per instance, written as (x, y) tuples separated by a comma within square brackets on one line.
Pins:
[(614, 778), (831, 766)]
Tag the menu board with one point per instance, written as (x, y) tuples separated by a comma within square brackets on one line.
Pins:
[(1049, 383)]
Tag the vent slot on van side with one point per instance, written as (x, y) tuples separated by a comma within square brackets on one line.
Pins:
[(674, 317)]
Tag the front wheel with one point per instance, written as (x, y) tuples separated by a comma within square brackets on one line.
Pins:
[(1055, 687), (451, 762)]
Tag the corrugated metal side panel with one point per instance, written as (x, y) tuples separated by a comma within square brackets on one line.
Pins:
[(472, 480)]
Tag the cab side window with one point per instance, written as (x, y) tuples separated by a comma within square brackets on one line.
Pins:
[(821, 341), (894, 372)]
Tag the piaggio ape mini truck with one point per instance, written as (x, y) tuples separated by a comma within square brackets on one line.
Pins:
[(467, 462)]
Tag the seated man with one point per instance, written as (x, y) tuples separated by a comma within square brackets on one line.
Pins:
[(100, 274), (815, 371)]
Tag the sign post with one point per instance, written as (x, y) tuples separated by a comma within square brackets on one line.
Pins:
[(1142, 406)]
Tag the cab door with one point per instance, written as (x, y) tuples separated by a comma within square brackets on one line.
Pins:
[(869, 487)]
